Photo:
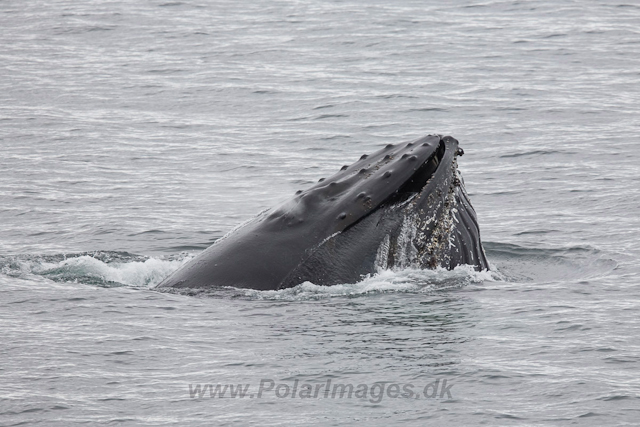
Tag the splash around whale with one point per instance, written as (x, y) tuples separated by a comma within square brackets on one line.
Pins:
[(402, 206)]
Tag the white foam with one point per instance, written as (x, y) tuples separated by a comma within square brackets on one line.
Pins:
[(407, 280), (134, 273)]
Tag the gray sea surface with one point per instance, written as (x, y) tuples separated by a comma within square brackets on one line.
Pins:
[(133, 134)]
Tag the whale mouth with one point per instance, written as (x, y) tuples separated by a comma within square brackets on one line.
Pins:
[(419, 179)]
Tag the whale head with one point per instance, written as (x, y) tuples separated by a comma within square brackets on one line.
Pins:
[(402, 206)]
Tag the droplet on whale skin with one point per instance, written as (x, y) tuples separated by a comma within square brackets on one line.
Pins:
[(342, 215)]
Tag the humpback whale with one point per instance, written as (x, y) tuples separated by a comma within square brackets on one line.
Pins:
[(404, 206)]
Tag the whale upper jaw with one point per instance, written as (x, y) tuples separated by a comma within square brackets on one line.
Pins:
[(337, 202)]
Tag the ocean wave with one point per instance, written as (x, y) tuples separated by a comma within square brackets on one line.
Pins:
[(508, 263), (547, 264), (107, 269), (385, 281)]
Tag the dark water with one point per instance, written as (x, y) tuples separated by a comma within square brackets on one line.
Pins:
[(134, 134)]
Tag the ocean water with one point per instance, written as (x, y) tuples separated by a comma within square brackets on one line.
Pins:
[(135, 134)]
